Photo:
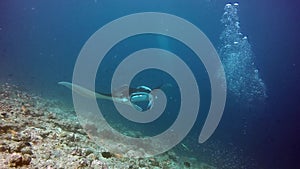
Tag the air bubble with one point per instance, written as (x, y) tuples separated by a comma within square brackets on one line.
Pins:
[(236, 53)]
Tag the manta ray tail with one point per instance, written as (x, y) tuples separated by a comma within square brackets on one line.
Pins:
[(83, 91)]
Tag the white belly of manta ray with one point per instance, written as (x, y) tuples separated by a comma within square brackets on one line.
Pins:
[(141, 99)]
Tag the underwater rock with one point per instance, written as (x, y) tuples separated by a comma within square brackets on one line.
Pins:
[(187, 164), (25, 110), (25, 136), (8, 128), (142, 163), (91, 129), (4, 147), (26, 150), (4, 114), (21, 146), (153, 162), (45, 155), (107, 154), (17, 160), (30, 141), (87, 151), (172, 156), (83, 163), (51, 115), (76, 151), (99, 164), (92, 156)]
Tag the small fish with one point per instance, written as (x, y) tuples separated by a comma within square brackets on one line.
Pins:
[(185, 147)]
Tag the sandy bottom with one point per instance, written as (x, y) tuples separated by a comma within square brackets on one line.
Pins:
[(40, 133)]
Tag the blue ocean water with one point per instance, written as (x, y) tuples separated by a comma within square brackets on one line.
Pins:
[(40, 42)]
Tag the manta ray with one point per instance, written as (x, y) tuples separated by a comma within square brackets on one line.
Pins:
[(125, 95)]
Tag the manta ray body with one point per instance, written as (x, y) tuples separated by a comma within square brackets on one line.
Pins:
[(125, 95)]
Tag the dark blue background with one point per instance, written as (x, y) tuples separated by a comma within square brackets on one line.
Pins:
[(40, 41)]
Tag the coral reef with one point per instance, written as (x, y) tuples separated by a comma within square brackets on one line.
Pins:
[(40, 133)]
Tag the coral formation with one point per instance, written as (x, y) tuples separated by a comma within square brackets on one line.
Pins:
[(40, 133)]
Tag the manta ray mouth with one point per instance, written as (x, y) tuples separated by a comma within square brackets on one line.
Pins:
[(142, 100)]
